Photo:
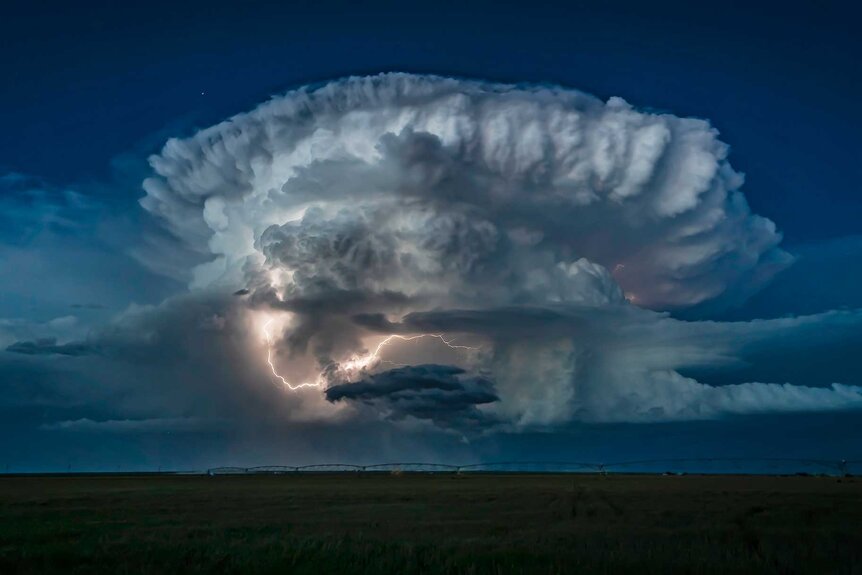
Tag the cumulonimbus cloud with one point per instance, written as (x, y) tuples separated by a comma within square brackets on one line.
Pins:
[(425, 175), (544, 227)]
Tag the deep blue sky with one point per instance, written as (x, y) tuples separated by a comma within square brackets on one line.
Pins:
[(86, 82), (90, 89)]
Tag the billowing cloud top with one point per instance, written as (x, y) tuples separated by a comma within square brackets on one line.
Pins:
[(525, 220), (467, 254), (501, 193)]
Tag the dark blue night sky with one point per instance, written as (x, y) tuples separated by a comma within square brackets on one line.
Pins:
[(780, 83), (90, 90)]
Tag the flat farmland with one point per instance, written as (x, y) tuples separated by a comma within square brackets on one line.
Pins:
[(420, 523)]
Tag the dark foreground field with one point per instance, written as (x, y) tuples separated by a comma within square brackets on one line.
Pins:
[(365, 523)]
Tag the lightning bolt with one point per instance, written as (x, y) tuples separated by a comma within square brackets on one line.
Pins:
[(267, 336), (355, 363)]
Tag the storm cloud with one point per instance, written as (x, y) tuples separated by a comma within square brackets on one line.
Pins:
[(471, 177), (443, 394), (547, 229), (471, 255)]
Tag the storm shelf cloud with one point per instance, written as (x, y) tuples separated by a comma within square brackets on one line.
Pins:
[(532, 247)]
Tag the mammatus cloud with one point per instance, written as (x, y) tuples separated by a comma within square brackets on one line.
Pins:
[(547, 231)]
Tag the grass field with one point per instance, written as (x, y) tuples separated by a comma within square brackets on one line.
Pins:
[(380, 523)]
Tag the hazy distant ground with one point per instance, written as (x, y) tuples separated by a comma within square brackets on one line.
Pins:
[(369, 523)]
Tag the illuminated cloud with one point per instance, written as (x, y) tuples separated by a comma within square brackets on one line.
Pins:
[(396, 179), (546, 233)]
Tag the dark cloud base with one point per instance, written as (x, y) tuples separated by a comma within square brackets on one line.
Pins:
[(443, 394)]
